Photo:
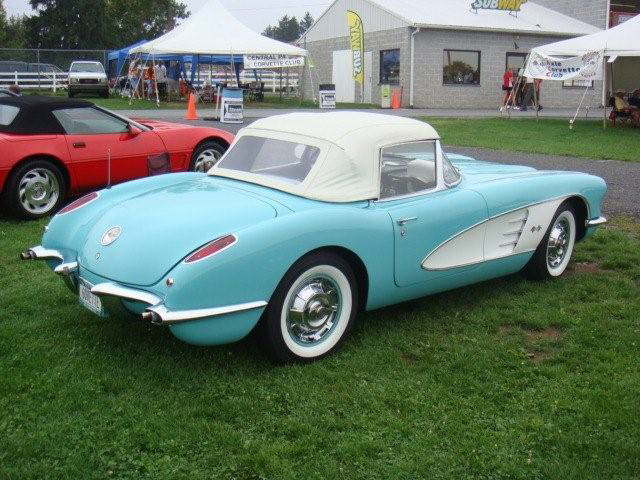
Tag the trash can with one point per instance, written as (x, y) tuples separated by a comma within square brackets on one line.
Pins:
[(327, 95), (385, 96), (232, 106)]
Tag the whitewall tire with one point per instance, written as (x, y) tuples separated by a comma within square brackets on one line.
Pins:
[(553, 255), (312, 309)]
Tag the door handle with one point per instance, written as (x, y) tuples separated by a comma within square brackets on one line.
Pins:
[(79, 145), (403, 221)]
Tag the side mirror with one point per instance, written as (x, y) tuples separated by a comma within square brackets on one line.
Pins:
[(133, 130)]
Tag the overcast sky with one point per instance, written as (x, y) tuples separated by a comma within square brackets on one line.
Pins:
[(257, 14)]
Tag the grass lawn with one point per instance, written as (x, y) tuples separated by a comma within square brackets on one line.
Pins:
[(548, 136), (507, 379)]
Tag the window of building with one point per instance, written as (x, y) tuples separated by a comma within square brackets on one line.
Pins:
[(408, 168), (390, 67), (461, 67), (516, 61), (577, 83)]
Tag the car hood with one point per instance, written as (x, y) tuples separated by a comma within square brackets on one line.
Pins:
[(161, 227)]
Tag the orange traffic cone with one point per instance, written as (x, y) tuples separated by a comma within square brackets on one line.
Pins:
[(395, 100), (192, 114)]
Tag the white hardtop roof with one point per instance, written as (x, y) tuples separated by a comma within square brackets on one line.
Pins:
[(622, 40), (348, 169), (212, 30), (458, 15), (341, 128)]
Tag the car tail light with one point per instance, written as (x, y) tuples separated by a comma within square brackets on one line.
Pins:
[(212, 248), (81, 202)]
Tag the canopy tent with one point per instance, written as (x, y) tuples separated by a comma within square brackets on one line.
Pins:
[(212, 30), (121, 56), (620, 41)]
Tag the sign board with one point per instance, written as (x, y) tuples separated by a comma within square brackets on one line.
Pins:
[(585, 67), (327, 96), (507, 5), (232, 106), (385, 96), (256, 62), (356, 41)]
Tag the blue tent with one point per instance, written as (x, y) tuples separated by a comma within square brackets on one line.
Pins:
[(121, 56)]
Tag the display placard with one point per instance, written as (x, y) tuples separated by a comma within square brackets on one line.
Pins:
[(257, 62), (232, 106)]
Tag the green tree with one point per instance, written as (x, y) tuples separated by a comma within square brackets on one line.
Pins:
[(288, 28), (12, 29), (100, 24)]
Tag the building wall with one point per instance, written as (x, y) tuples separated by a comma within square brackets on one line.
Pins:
[(431, 93), (333, 22), (321, 56), (593, 12), (429, 58)]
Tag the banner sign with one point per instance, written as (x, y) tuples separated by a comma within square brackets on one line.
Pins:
[(507, 5), (254, 62), (585, 67), (356, 35)]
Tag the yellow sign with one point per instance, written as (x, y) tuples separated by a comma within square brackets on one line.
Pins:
[(356, 35), (510, 5)]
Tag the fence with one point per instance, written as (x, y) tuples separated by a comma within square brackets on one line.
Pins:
[(274, 81)]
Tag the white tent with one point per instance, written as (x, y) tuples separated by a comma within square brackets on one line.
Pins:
[(620, 41), (212, 30)]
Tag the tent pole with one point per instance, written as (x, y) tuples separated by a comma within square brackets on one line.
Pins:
[(535, 100), (155, 81)]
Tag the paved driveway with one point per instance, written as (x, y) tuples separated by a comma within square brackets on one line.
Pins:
[(623, 178)]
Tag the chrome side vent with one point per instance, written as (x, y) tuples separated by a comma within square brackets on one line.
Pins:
[(512, 230)]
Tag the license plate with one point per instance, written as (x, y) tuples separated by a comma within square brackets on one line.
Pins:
[(89, 300)]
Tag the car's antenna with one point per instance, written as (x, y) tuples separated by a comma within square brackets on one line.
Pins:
[(108, 167)]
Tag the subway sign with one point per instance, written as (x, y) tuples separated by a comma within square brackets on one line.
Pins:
[(508, 5)]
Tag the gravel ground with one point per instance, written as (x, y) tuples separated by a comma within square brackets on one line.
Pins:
[(623, 178)]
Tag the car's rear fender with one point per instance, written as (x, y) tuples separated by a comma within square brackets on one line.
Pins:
[(252, 268)]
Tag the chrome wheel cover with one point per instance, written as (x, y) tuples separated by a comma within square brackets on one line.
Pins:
[(206, 159), (314, 310), (38, 191), (558, 246)]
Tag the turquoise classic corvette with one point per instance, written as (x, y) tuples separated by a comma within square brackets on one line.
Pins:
[(305, 221)]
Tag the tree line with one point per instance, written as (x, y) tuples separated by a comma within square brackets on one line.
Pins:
[(109, 24)]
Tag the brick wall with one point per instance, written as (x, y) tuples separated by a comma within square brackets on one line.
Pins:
[(429, 89)]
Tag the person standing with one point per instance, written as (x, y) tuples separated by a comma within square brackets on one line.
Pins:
[(507, 87)]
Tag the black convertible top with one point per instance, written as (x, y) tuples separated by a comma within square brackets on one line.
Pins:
[(35, 117)]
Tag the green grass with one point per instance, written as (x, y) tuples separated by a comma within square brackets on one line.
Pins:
[(548, 136), (503, 380)]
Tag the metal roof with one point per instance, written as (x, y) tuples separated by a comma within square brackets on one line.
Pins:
[(458, 15)]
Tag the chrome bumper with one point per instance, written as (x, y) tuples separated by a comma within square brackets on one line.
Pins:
[(65, 270), (157, 313), (596, 222)]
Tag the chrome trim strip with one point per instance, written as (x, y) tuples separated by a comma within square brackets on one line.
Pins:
[(161, 315), (597, 222), (470, 264), (113, 290), (41, 253)]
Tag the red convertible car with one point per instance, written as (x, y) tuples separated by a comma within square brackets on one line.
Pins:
[(53, 148)]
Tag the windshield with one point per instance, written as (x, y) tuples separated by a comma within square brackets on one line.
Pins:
[(288, 162), (89, 67)]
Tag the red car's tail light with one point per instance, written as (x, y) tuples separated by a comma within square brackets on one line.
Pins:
[(212, 248), (81, 202)]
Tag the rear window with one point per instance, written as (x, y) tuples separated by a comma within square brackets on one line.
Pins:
[(8, 113), (289, 162)]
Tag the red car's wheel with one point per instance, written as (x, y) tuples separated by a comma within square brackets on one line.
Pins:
[(35, 189), (206, 155)]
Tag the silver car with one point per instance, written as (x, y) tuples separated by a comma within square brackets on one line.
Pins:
[(88, 77)]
